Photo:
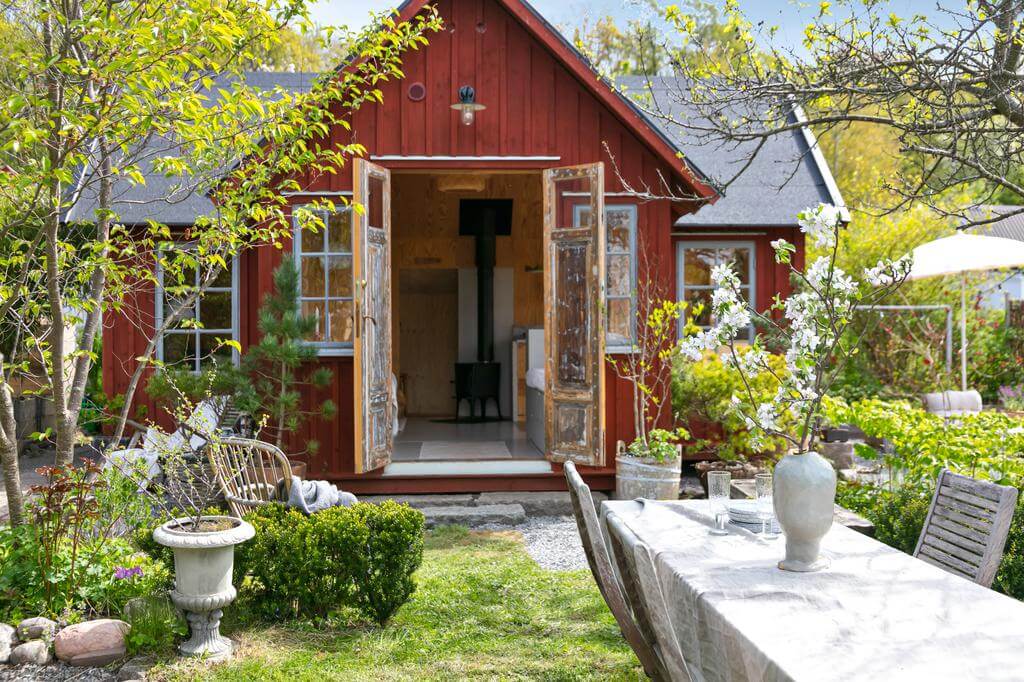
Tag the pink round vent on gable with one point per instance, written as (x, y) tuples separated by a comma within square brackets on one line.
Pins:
[(417, 91)]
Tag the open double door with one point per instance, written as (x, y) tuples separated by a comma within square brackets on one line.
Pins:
[(574, 248)]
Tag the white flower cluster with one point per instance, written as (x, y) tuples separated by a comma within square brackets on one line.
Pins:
[(820, 224), (729, 311), (889, 271)]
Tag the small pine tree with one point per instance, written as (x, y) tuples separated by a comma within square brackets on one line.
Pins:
[(275, 369)]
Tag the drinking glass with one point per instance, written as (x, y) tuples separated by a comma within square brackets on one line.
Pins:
[(765, 508), (719, 483)]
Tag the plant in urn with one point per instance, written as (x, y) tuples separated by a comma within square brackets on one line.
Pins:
[(814, 328)]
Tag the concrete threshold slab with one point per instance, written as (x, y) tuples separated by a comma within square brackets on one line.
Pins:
[(508, 467)]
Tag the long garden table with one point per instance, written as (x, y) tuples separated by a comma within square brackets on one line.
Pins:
[(875, 614)]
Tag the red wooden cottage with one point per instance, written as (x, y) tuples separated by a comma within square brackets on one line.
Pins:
[(500, 255)]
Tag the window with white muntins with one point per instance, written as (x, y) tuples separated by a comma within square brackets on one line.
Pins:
[(694, 262)]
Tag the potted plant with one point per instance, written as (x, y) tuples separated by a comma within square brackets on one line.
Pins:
[(814, 326), (649, 466), (202, 540), (650, 469)]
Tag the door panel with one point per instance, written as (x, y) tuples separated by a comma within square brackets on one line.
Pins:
[(373, 410), (574, 244)]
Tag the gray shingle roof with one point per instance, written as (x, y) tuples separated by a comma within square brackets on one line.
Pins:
[(1010, 227), (785, 178), (170, 200), (787, 175)]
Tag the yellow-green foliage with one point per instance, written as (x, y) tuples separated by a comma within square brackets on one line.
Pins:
[(988, 445), (702, 393)]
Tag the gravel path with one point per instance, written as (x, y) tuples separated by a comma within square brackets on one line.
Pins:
[(552, 541), (54, 673)]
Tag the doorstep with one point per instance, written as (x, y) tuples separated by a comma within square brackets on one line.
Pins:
[(488, 467)]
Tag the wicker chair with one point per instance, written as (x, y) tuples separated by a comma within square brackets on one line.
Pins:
[(250, 473), (966, 527)]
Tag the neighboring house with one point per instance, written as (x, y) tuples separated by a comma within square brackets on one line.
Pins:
[(429, 313), (1007, 284)]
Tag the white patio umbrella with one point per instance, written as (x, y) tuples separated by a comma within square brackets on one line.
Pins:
[(958, 255)]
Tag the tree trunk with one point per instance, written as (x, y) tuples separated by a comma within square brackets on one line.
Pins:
[(12, 481)]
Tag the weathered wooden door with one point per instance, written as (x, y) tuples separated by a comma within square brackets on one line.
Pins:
[(574, 246), (371, 248)]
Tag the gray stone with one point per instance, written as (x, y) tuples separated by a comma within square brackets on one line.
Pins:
[(36, 652), (690, 488), (423, 501), (36, 628), (135, 669), (554, 503), (840, 454), (494, 514), (92, 643), (8, 640)]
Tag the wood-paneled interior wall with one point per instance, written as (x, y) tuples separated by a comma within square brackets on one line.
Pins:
[(427, 302)]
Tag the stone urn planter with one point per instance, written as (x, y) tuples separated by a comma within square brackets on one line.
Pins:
[(641, 477), (204, 557), (737, 470), (804, 498)]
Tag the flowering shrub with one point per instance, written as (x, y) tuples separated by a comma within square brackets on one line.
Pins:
[(1012, 397), (813, 330)]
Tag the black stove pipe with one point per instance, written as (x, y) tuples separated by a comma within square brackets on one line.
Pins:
[(485, 259)]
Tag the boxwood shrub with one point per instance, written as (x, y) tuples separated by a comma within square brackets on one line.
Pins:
[(360, 557)]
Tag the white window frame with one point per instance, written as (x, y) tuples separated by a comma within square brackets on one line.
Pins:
[(681, 286), (197, 331), (634, 226), (324, 348)]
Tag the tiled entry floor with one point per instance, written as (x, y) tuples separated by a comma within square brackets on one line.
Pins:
[(426, 440)]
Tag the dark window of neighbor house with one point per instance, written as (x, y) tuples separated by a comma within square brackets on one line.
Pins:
[(326, 288), (620, 272), (195, 339), (694, 262)]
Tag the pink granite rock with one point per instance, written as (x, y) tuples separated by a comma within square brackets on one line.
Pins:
[(93, 643)]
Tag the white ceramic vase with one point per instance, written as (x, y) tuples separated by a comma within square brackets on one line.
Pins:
[(804, 498), (203, 564)]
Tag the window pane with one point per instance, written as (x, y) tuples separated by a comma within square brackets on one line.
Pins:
[(619, 319), (619, 276), (312, 276), (620, 223), (315, 309), (341, 321), (180, 349), (223, 278), (339, 276), (215, 310), (339, 232), (176, 305), (572, 203), (696, 297), (697, 264), (581, 216), (211, 349), (312, 241), (375, 199), (739, 259)]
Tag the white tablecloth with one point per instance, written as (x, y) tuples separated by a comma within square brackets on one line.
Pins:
[(876, 614)]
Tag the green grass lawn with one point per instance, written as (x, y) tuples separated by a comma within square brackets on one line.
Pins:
[(482, 609)]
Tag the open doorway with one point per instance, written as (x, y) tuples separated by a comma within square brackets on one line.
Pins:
[(468, 302)]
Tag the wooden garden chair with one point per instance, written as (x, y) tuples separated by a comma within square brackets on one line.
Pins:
[(604, 573), (966, 527), (643, 591), (250, 473)]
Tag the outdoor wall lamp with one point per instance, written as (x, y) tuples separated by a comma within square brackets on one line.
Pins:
[(467, 105)]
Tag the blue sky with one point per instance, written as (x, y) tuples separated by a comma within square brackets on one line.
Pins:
[(789, 15)]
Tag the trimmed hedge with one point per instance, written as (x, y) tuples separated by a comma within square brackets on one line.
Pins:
[(360, 557)]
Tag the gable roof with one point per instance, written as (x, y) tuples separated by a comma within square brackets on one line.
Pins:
[(788, 174), (1010, 224)]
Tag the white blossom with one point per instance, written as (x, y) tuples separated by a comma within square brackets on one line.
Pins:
[(820, 223), (889, 271)]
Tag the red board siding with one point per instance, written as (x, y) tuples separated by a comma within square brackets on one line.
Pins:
[(535, 107)]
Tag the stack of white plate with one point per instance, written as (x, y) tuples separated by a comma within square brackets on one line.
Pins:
[(743, 513)]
